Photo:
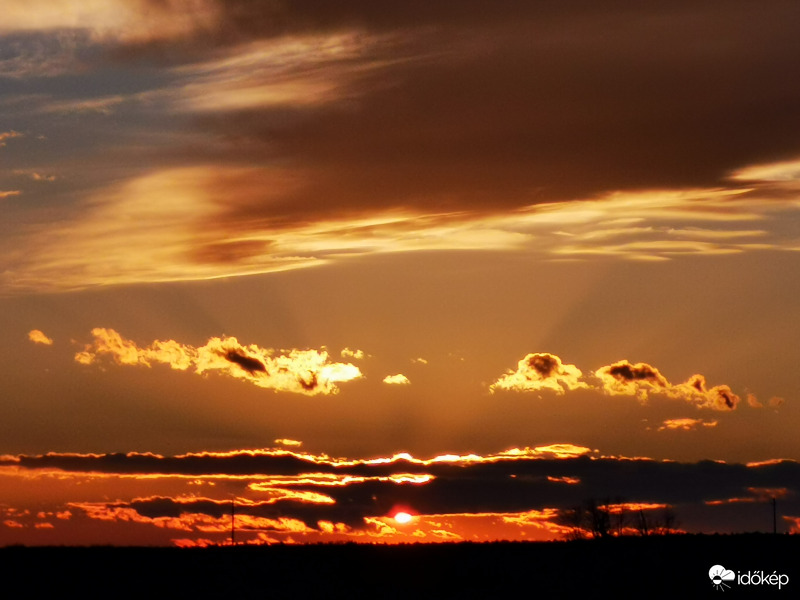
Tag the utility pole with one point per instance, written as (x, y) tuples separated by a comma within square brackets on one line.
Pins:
[(774, 517), (233, 526)]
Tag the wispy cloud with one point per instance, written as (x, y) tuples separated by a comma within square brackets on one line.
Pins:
[(120, 20), (173, 225)]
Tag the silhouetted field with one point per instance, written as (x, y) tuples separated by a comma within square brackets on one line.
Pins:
[(652, 567)]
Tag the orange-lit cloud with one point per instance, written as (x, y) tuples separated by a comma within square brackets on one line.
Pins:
[(34, 175), (685, 424), (628, 379), (292, 71), (784, 171), (288, 442), (567, 480), (773, 402), (541, 371), (121, 20), (38, 337), (7, 135), (641, 379), (300, 371), (179, 230), (398, 379), (520, 493)]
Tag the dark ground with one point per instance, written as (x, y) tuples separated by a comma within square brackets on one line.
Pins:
[(627, 567)]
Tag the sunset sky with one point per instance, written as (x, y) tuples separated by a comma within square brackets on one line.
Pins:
[(476, 262)]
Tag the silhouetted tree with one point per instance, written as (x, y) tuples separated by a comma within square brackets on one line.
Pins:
[(576, 519), (643, 524), (599, 518), (619, 516)]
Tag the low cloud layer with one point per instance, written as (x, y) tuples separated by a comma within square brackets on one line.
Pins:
[(307, 372), (505, 495)]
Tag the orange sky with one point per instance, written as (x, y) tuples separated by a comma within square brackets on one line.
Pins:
[(368, 229)]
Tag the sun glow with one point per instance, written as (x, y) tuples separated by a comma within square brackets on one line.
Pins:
[(403, 518)]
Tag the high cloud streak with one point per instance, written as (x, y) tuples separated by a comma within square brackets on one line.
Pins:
[(544, 371), (299, 371), (541, 371), (121, 20), (210, 221)]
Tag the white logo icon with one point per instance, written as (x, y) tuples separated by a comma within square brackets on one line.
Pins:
[(719, 575)]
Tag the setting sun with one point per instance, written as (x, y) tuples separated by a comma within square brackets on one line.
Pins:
[(403, 518)]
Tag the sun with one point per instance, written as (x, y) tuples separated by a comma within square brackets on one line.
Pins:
[(403, 517)]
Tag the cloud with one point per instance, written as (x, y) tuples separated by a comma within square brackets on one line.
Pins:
[(34, 175), (398, 379), (180, 229), (641, 379), (7, 135), (103, 105), (541, 371), (685, 424), (784, 171), (125, 21), (288, 442), (450, 143), (773, 402), (285, 492), (290, 72), (544, 371), (624, 378), (299, 371), (357, 354), (38, 337)]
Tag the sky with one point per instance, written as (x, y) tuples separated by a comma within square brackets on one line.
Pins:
[(481, 265)]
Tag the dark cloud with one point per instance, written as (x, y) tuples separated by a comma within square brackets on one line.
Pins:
[(625, 371), (508, 486), (513, 105), (248, 363), (544, 364)]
